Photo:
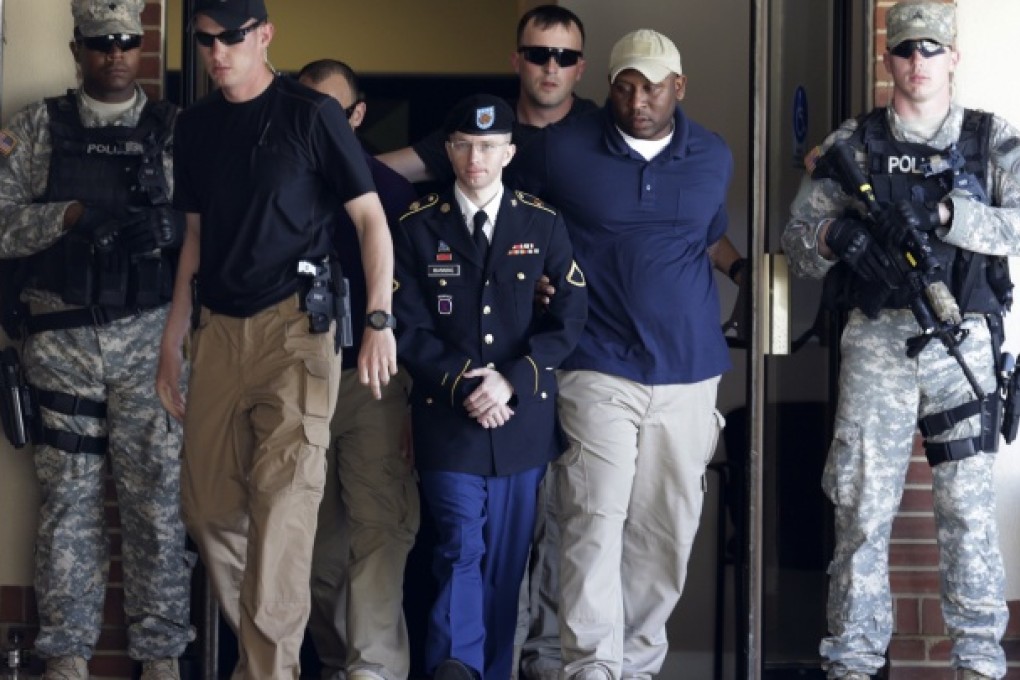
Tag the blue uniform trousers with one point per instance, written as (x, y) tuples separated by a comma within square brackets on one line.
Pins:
[(484, 527)]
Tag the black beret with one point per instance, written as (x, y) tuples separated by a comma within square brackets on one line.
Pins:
[(480, 114)]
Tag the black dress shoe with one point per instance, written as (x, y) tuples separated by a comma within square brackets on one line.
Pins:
[(451, 669)]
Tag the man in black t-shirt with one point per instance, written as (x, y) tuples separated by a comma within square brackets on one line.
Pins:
[(259, 167)]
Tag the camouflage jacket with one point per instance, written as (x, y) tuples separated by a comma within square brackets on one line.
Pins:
[(990, 229), (28, 226)]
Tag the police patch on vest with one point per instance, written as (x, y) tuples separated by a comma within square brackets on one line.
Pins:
[(7, 142), (904, 165), (575, 276), (127, 148)]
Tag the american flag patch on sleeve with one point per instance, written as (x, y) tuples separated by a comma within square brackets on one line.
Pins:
[(7, 142)]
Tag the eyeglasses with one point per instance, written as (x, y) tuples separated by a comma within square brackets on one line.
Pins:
[(231, 37), (463, 147), (106, 43), (540, 56), (927, 48)]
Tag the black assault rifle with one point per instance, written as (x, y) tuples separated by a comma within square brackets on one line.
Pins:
[(933, 305)]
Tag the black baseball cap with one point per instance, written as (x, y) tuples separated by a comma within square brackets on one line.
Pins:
[(231, 14)]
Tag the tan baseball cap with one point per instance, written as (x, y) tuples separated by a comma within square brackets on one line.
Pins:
[(651, 53)]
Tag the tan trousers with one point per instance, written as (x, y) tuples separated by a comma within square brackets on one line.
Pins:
[(261, 394), (631, 490), (367, 523)]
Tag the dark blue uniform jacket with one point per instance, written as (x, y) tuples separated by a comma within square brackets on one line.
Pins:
[(455, 313)]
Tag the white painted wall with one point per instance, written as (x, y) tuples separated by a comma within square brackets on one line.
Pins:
[(988, 61), (36, 63)]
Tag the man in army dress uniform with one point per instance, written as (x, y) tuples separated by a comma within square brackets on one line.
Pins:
[(85, 226), (483, 400), (971, 221)]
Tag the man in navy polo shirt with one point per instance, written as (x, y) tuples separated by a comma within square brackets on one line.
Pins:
[(642, 189)]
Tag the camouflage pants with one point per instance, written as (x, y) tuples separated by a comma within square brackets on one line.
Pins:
[(116, 364), (882, 392)]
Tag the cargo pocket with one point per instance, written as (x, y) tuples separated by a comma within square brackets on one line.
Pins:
[(840, 468), (317, 409), (717, 423)]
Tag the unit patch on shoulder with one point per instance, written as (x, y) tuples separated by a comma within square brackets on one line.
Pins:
[(7, 143), (575, 276), (418, 206), (533, 201)]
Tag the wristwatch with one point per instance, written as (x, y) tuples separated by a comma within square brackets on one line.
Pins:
[(379, 320)]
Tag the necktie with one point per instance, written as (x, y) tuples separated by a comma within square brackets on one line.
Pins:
[(481, 242)]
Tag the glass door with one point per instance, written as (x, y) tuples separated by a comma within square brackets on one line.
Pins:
[(805, 78)]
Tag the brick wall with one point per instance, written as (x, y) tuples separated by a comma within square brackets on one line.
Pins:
[(920, 647), (17, 603)]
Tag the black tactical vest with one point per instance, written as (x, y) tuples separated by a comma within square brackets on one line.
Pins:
[(110, 167), (894, 169)]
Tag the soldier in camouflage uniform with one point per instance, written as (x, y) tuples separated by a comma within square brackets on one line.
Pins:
[(883, 393), (94, 167)]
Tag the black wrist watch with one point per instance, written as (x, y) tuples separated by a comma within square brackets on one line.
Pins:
[(736, 267), (380, 320)]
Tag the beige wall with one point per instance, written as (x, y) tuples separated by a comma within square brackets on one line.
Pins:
[(385, 36), (987, 52), (32, 29), (36, 59)]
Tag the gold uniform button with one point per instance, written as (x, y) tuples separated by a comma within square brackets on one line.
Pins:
[(489, 339), (545, 395), (486, 309), (442, 282), (520, 276), (428, 400)]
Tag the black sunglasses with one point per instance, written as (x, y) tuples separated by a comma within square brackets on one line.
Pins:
[(927, 48), (231, 37), (106, 43), (540, 56)]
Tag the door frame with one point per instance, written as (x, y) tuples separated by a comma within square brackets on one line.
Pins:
[(853, 45)]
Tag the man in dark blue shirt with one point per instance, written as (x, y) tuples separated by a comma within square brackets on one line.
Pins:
[(549, 61), (643, 192), (366, 530)]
